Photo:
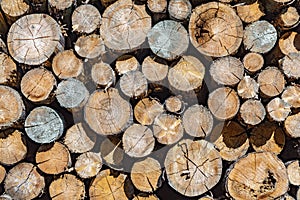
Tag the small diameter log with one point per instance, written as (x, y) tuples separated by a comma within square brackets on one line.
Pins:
[(109, 110), (66, 65), (252, 112), (157, 6), (90, 46), (198, 121), (278, 110), (292, 125), (60, 5), (145, 197), (23, 181), (126, 64), (103, 75), (67, 187), (37, 84), (145, 175), (224, 103), (253, 62), (14, 9), (44, 125), (8, 69), (187, 74), (86, 19), (153, 70), (257, 176), (2, 174), (227, 70), (248, 88), (230, 138), (193, 167), (260, 36), (88, 164), (289, 19), (127, 32), (112, 152), (289, 43), (174, 104), (78, 140), (107, 186), (215, 29), (146, 110), (53, 158), (71, 94), (134, 84), (14, 110), (289, 65), (267, 137), (167, 129), (249, 13), (12, 147), (293, 171), (271, 82), (291, 95), (138, 141), (167, 43), (40, 38), (180, 9)]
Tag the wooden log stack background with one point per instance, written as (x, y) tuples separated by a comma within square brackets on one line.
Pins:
[(149, 99)]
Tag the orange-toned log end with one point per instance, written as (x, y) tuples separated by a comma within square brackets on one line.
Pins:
[(2, 173)]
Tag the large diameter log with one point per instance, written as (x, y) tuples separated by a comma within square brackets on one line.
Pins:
[(257, 176), (127, 32), (157, 6), (40, 37), (215, 29), (88, 164), (249, 13), (14, 9), (193, 167), (292, 125), (293, 171), (8, 69), (23, 181), (146, 110), (179, 9)]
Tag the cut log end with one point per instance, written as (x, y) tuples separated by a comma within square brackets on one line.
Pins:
[(103, 74), (291, 125), (278, 110), (174, 104), (8, 70), (157, 6), (146, 110), (252, 112), (134, 84), (90, 46), (289, 65), (289, 19), (2, 173), (288, 43), (126, 64), (291, 95), (253, 62), (247, 88), (153, 70), (88, 164), (180, 9), (250, 13), (60, 4)]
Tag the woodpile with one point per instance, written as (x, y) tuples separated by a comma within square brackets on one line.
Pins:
[(149, 99)]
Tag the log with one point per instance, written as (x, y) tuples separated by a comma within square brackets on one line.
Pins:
[(248, 88), (263, 176), (223, 103), (53, 158), (291, 95), (271, 81), (289, 65), (146, 110), (289, 43), (167, 129), (289, 19), (134, 84), (278, 110), (71, 93), (153, 70), (167, 43), (103, 75), (253, 62), (227, 70), (86, 19), (252, 112), (135, 24), (90, 46), (8, 70), (109, 110), (112, 152), (2, 174), (23, 181), (88, 164), (174, 104), (215, 29), (193, 167), (231, 140), (66, 65), (127, 63), (33, 46), (107, 186), (291, 125), (60, 5), (14, 9), (67, 187), (187, 74), (13, 111), (179, 9), (3, 26), (157, 6), (78, 140), (145, 197), (37, 85), (197, 121), (260, 36), (145, 175), (44, 125), (267, 137), (250, 13), (293, 172), (138, 141), (12, 147)]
